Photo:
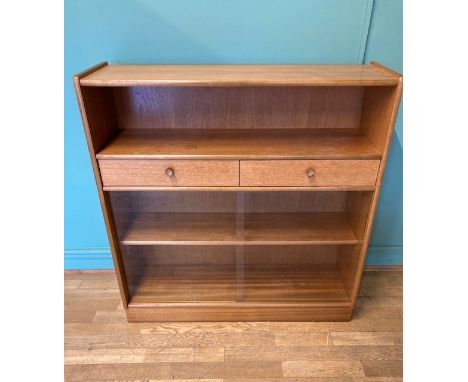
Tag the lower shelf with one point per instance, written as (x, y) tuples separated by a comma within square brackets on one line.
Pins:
[(220, 283)]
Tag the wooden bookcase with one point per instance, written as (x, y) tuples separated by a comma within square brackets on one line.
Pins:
[(238, 192)]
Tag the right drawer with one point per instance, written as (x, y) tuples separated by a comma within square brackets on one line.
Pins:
[(308, 173)]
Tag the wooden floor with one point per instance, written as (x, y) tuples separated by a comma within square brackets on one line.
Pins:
[(101, 346)]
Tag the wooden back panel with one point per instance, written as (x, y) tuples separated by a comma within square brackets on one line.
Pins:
[(141, 261), (226, 202), (238, 107), (160, 255)]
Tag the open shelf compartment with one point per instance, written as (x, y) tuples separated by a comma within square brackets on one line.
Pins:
[(181, 274), (239, 248), (305, 122)]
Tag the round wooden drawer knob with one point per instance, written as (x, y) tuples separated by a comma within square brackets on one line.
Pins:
[(310, 173), (169, 171)]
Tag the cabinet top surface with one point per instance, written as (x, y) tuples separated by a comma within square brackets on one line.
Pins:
[(239, 75)]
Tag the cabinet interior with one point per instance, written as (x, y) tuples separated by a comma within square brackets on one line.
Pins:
[(239, 246), (240, 122)]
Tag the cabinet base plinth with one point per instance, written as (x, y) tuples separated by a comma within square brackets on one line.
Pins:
[(274, 312)]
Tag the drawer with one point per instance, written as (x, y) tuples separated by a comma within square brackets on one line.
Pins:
[(197, 173), (308, 173)]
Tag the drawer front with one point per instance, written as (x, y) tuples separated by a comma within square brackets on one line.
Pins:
[(308, 173), (196, 173)]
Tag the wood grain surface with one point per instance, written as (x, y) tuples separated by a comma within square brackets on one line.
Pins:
[(220, 228), (239, 144), (238, 75), (219, 283), (226, 202), (295, 173), (145, 172), (264, 107)]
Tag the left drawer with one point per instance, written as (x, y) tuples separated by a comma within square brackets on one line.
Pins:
[(167, 173)]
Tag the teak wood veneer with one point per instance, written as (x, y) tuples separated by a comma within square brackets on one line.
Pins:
[(238, 192)]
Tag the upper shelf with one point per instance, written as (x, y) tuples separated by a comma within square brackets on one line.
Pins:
[(240, 75), (238, 144)]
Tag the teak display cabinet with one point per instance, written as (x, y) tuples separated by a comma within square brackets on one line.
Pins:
[(238, 192)]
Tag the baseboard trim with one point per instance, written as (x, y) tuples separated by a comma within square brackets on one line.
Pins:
[(372, 268), (384, 256), (381, 257), (88, 258)]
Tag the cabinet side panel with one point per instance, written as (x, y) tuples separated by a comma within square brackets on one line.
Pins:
[(384, 115), (377, 113), (101, 115), (97, 130)]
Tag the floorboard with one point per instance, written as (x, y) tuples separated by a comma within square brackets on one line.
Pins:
[(101, 346)]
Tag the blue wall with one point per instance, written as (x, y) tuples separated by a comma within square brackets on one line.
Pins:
[(220, 31)]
